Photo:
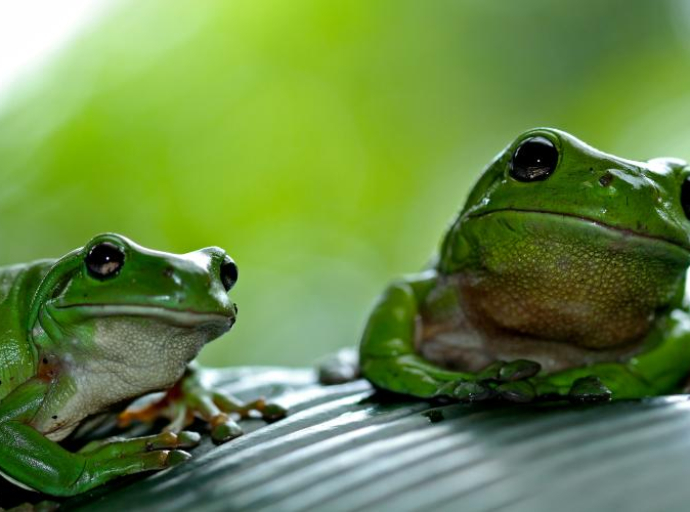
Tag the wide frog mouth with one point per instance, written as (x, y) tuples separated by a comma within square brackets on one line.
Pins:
[(625, 232), (178, 317)]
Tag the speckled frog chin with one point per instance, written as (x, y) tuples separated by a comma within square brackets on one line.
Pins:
[(563, 275)]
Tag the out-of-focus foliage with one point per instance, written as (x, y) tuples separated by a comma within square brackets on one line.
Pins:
[(325, 145)]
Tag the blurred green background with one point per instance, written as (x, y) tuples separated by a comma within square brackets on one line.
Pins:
[(324, 144)]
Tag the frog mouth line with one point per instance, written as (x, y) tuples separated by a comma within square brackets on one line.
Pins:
[(181, 317), (603, 225)]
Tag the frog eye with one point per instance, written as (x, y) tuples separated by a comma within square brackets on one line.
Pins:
[(104, 260), (534, 160), (228, 273), (685, 197)]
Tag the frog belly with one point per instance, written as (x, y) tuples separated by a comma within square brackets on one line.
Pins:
[(460, 351)]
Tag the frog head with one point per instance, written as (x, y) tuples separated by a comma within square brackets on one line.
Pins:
[(561, 241), (128, 319)]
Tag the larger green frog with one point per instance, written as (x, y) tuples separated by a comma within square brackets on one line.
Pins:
[(563, 276), (104, 324)]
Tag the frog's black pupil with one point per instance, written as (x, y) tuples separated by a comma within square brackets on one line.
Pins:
[(534, 160), (685, 197), (104, 260), (228, 274)]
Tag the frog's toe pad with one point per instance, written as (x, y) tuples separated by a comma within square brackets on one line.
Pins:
[(273, 412), (589, 389), (223, 429), (472, 392), (176, 457), (518, 370), (186, 439), (516, 391)]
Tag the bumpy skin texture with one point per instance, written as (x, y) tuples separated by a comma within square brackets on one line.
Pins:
[(101, 326), (568, 286)]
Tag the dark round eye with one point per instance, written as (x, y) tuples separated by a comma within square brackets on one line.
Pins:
[(228, 273), (104, 260), (685, 197), (534, 160)]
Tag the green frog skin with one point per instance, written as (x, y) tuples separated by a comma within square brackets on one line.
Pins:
[(103, 325), (564, 276)]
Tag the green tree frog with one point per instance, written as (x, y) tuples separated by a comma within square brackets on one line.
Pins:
[(95, 329), (564, 276)]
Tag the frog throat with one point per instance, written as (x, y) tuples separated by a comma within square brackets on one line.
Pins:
[(564, 278)]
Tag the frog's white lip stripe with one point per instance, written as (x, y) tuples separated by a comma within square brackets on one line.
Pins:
[(186, 318), (624, 231), (16, 482)]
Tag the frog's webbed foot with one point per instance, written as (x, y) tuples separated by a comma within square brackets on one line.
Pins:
[(162, 441), (500, 380), (190, 399)]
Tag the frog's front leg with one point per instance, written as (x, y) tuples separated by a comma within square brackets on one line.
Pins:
[(596, 383), (31, 460), (661, 369), (191, 398), (388, 358)]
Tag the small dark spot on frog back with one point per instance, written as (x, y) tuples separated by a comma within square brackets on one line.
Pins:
[(434, 415), (606, 179)]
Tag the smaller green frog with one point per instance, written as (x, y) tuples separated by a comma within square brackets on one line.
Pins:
[(105, 324), (564, 276)]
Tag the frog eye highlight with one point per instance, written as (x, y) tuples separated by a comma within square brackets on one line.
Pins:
[(534, 160), (685, 197), (104, 260), (228, 273)]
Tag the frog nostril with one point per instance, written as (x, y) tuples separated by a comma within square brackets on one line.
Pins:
[(606, 179), (228, 273), (168, 272)]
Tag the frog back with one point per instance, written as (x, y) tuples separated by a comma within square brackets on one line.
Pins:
[(18, 284)]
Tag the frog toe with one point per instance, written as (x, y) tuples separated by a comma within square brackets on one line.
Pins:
[(519, 391), (588, 390), (468, 391), (518, 370), (176, 457), (187, 439), (224, 429)]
